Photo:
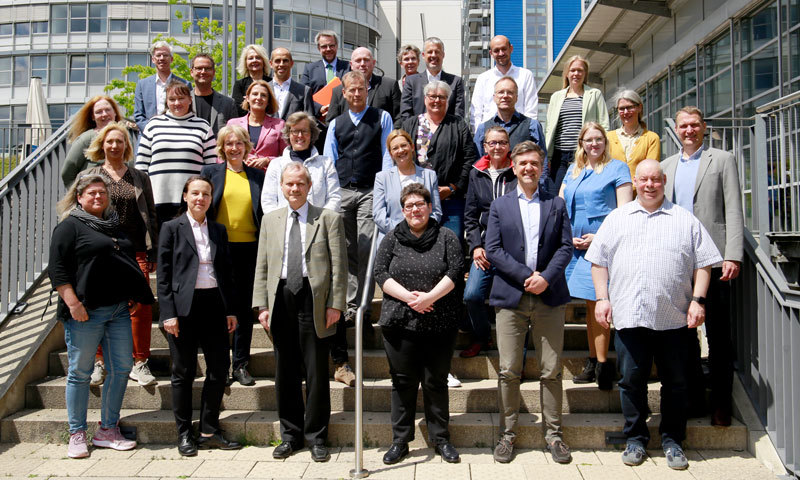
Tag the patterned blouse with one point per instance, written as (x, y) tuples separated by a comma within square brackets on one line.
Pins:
[(123, 196)]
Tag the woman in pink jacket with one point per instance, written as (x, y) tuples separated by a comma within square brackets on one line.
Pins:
[(264, 130)]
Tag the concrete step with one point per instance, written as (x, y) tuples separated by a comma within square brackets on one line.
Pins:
[(574, 338), (466, 429), (474, 396), (262, 364)]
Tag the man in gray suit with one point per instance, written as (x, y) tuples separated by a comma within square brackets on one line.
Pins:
[(299, 291), (291, 96), (412, 101), (149, 98), (705, 181), (207, 103)]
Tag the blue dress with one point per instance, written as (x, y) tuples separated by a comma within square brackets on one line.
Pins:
[(590, 198)]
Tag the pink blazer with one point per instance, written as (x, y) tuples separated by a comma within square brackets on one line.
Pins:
[(270, 143)]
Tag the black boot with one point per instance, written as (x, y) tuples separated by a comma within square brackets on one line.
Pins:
[(604, 372), (588, 373)]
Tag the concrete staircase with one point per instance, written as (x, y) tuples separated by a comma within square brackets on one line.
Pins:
[(249, 412)]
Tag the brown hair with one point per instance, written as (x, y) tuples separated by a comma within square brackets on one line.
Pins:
[(690, 110), (84, 119), (179, 88), (526, 147), (414, 189), (272, 103), (298, 117)]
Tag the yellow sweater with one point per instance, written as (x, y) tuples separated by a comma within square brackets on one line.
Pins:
[(236, 208), (647, 146)]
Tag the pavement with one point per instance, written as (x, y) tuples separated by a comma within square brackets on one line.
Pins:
[(34, 460)]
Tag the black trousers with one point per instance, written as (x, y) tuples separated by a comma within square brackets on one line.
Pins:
[(166, 212), (558, 169), (720, 349), (205, 327), (243, 258), (299, 350), (416, 358)]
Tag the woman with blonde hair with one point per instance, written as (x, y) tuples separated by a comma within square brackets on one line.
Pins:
[(265, 130), (95, 114), (253, 65), (632, 142), (594, 185), (131, 195), (569, 109)]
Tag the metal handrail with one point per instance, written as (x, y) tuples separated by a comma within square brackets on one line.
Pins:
[(778, 102), (366, 299)]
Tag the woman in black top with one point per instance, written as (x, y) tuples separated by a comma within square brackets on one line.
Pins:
[(93, 269), (418, 266), (253, 65)]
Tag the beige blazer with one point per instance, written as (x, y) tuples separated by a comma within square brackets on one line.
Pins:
[(325, 257), (717, 199), (594, 110)]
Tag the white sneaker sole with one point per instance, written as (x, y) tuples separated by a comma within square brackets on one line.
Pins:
[(141, 383), (114, 445)]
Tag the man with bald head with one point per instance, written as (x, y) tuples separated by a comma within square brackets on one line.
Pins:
[(483, 107), (651, 266), (412, 102), (382, 92), (292, 96)]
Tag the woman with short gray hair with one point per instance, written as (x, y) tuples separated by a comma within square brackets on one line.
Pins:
[(632, 142)]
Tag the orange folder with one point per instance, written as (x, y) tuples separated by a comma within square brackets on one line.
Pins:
[(323, 97)]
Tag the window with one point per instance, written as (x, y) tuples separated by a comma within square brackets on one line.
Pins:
[(97, 18), (317, 24), (5, 71), (58, 18), (116, 62), (759, 29), (39, 27), (56, 114), (350, 35), (718, 94), (39, 67), (137, 59), (6, 29), (178, 14), (137, 26), (336, 26), (97, 69), (159, 26), (58, 70), (77, 18), (119, 26), (282, 26), (21, 72), (300, 28), (199, 14), (718, 55), (22, 29), (77, 69)]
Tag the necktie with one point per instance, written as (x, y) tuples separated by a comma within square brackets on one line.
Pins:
[(329, 72), (294, 266)]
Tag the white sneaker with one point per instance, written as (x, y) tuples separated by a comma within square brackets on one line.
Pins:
[(141, 373), (452, 381), (98, 374)]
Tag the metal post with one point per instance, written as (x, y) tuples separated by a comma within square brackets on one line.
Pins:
[(225, 58), (759, 165), (267, 33), (250, 22), (235, 40)]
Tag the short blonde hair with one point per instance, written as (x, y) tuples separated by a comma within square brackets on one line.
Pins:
[(570, 61), (581, 157), (240, 134), (95, 151), (241, 67)]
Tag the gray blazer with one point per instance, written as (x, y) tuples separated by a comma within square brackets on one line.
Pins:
[(717, 199), (222, 110), (386, 209), (298, 100)]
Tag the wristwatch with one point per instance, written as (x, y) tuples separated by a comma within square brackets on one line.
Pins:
[(700, 300)]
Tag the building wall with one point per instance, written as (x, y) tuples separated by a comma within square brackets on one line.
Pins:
[(509, 20), (565, 16)]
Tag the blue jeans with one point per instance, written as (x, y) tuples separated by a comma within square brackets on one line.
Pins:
[(475, 294), (453, 216), (109, 326)]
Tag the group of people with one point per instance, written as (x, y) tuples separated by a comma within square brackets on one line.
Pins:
[(264, 206)]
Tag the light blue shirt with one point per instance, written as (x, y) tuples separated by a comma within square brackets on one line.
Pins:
[(685, 178), (332, 145), (530, 211)]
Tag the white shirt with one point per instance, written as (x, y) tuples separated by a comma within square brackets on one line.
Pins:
[(161, 94), (651, 258), (206, 277), (483, 107), (530, 211), (281, 91), (301, 219), (431, 77)]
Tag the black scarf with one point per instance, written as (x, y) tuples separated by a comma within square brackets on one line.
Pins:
[(107, 226), (424, 242), (300, 156)]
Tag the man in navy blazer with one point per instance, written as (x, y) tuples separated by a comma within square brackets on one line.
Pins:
[(316, 73), (412, 101), (292, 96), (529, 242), (150, 95)]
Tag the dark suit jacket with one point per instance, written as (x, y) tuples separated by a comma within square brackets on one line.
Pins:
[(413, 100), (314, 74), (298, 100), (222, 110), (255, 177), (383, 93), (178, 264), (505, 249)]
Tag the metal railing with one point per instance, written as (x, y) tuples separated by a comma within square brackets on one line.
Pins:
[(19, 141), (28, 195)]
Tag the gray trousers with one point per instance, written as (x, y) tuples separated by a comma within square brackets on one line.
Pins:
[(358, 227), (547, 331)]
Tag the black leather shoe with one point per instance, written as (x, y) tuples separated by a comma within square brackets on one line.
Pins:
[(187, 446), (319, 453), (396, 452), (242, 376), (448, 452), (284, 450), (217, 441)]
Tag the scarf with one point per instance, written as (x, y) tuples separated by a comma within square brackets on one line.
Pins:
[(107, 226), (300, 156), (421, 244)]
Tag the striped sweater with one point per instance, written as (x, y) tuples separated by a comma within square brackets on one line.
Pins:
[(172, 149)]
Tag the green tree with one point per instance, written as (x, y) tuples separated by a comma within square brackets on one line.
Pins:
[(122, 90)]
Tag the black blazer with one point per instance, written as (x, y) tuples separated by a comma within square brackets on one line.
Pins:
[(298, 100), (413, 100), (255, 177), (178, 264), (383, 93), (315, 77)]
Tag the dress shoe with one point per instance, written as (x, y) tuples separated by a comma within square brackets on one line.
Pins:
[(242, 376), (284, 450), (721, 418), (448, 452), (319, 453), (396, 452), (187, 446), (217, 441)]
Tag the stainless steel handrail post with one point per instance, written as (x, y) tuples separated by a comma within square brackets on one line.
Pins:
[(358, 470)]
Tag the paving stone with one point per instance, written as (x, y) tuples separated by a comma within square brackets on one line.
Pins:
[(67, 467), (476, 456), (400, 471), (658, 458), (579, 457), (152, 451), (224, 468), (530, 456), (493, 471), (170, 468), (116, 468), (552, 472), (257, 453), (216, 454), (442, 471), (49, 450), (706, 471), (18, 466), (614, 457), (729, 457), (19, 449), (333, 470), (99, 453), (277, 470), (661, 472), (607, 472)]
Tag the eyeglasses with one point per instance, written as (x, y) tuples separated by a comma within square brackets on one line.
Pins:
[(592, 141), (409, 207), (494, 143), (627, 108), (441, 98), (203, 69), (299, 133), (505, 93)]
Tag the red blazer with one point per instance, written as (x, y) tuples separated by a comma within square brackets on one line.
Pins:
[(270, 143)]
